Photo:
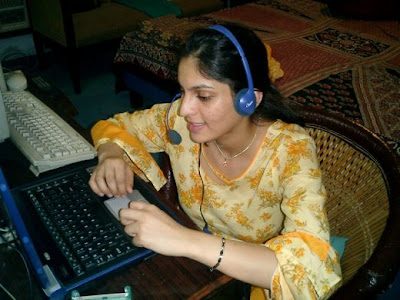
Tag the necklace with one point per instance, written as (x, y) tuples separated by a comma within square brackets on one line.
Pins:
[(225, 162)]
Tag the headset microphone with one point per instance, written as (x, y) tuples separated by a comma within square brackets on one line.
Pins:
[(174, 137)]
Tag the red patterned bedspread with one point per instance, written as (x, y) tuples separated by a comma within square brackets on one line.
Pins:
[(348, 66)]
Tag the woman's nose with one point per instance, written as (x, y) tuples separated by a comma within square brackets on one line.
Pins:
[(187, 106)]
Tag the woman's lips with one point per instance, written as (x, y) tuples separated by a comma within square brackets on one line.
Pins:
[(194, 127)]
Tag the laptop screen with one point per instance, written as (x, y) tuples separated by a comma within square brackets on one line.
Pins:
[(26, 241)]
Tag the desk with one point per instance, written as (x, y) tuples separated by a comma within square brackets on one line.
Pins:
[(160, 277)]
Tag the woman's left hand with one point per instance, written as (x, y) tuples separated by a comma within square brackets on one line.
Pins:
[(152, 228)]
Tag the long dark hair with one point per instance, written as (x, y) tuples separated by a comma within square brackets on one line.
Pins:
[(218, 59)]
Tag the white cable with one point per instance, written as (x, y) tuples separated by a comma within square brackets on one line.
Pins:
[(7, 292)]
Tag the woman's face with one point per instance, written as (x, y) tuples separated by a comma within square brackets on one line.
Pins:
[(207, 105)]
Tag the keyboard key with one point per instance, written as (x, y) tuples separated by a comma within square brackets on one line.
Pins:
[(39, 132), (70, 210)]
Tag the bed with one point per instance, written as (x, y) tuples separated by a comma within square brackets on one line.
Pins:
[(344, 65), (350, 67)]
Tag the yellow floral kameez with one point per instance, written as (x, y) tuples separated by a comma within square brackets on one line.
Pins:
[(278, 201)]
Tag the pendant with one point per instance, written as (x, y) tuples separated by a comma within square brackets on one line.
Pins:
[(225, 163)]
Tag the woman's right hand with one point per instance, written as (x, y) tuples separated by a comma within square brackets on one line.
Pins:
[(112, 176)]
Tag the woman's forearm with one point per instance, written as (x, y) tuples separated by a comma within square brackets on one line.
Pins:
[(251, 263)]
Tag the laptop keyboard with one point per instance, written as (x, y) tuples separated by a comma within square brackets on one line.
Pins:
[(78, 224)]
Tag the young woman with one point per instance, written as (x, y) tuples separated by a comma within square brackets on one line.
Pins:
[(245, 172)]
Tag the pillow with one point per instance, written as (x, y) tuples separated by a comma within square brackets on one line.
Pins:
[(338, 243), (275, 70)]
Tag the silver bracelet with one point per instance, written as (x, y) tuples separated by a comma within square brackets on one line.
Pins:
[(221, 254)]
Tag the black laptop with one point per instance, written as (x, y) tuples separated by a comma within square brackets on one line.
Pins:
[(68, 234)]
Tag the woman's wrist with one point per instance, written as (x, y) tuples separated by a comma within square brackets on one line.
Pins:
[(202, 247), (109, 150), (188, 246)]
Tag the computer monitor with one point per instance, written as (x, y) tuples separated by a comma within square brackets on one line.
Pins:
[(4, 130), (3, 86)]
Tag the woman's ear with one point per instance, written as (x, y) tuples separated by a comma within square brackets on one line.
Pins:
[(259, 96)]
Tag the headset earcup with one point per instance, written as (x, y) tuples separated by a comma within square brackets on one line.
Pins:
[(245, 102)]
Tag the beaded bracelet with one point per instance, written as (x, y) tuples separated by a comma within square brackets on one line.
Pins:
[(221, 254)]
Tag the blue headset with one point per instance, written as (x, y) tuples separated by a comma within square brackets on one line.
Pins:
[(245, 99)]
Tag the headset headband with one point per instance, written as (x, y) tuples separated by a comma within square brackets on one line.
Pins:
[(225, 31)]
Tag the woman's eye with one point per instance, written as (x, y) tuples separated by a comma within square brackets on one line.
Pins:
[(203, 98)]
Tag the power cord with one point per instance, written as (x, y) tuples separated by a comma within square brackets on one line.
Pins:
[(7, 292), (9, 238), (3, 265)]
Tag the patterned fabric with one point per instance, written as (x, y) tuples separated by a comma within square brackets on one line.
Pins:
[(278, 201), (313, 49), (346, 42), (358, 94), (333, 93)]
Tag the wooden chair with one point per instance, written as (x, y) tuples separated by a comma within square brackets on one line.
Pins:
[(362, 177)]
